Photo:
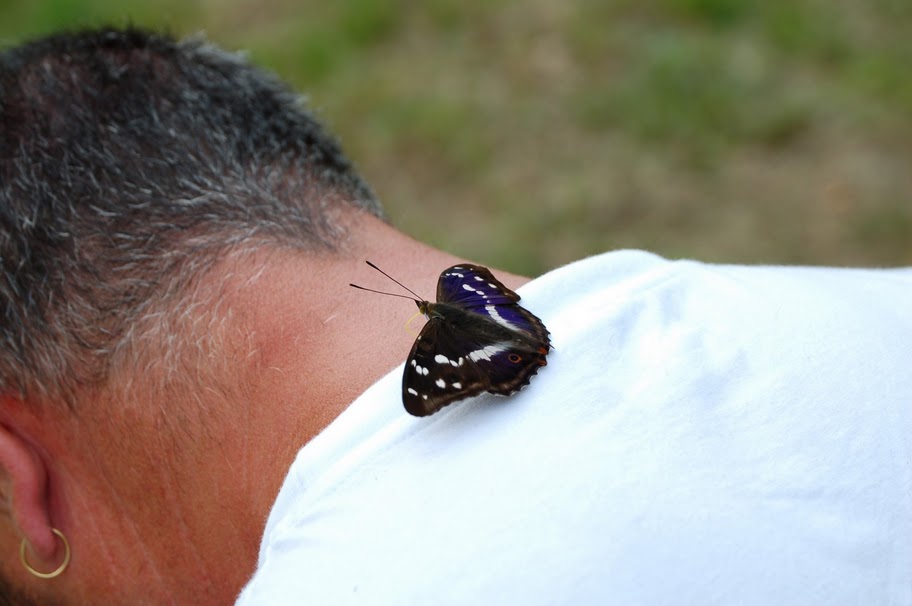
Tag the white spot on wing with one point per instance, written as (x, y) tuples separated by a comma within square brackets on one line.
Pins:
[(457, 385), (442, 359), (440, 383), (412, 391), (495, 315), (486, 352)]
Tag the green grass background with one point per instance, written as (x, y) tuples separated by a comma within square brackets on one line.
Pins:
[(526, 134)]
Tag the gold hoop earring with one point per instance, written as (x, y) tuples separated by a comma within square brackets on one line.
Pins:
[(60, 569)]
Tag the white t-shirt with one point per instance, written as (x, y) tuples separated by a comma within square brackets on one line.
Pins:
[(702, 434)]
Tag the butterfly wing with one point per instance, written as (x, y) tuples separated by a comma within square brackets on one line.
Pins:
[(461, 354), (474, 288), (469, 286), (436, 373)]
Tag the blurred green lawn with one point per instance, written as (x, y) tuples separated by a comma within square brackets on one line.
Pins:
[(526, 134)]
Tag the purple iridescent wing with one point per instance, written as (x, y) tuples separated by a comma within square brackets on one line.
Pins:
[(477, 339), (475, 289), (472, 286)]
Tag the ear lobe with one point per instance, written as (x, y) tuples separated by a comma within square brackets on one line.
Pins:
[(27, 477)]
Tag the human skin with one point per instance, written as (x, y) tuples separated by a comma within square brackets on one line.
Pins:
[(164, 498)]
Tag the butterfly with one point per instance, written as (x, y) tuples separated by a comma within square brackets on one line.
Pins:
[(477, 338)]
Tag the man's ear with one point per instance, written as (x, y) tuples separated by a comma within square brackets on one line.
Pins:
[(26, 474)]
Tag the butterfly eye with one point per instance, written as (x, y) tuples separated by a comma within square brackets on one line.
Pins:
[(515, 358)]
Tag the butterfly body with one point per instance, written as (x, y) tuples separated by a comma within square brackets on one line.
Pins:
[(477, 339)]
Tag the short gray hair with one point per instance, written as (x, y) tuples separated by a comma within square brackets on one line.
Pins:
[(129, 164)]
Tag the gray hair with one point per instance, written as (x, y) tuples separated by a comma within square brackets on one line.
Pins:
[(129, 164)]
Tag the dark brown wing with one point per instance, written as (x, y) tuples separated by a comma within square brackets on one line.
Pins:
[(461, 353)]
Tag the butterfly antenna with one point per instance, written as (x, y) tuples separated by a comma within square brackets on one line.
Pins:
[(380, 292), (395, 280)]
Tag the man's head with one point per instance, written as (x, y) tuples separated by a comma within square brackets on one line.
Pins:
[(140, 181), (128, 163)]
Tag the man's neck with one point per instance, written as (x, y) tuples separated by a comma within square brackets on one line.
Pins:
[(311, 344)]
